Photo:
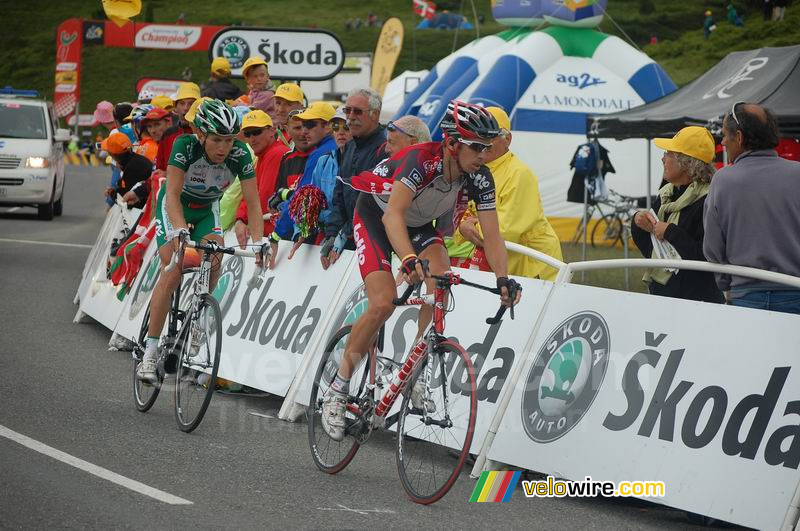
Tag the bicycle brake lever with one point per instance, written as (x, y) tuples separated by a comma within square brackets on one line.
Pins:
[(497, 317)]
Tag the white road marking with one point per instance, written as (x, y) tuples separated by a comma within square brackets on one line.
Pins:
[(256, 414), (359, 511), (13, 209), (57, 244), (95, 470)]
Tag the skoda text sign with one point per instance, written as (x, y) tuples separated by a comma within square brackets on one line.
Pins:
[(290, 54)]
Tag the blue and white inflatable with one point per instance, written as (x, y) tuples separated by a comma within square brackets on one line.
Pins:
[(548, 81)]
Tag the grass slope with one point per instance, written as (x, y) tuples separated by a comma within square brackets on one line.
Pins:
[(27, 31)]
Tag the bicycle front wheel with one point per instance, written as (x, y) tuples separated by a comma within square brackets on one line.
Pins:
[(607, 231), (333, 456), (435, 428), (198, 351), (144, 393)]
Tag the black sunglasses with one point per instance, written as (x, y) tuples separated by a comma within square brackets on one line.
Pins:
[(253, 132), (392, 127), (310, 124), (335, 126), (477, 147)]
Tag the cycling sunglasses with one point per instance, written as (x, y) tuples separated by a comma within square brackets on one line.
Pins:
[(392, 127), (474, 145), (353, 110), (335, 126), (733, 113), (253, 132)]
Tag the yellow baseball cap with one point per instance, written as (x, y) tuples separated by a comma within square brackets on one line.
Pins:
[(187, 91), (257, 118), (290, 92), (221, 66), (165, 102), (253, 61), (693, 141), (190, 114), (319, 110), (502, 118)]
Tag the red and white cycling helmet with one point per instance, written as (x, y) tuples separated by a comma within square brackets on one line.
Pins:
[(467, 121)]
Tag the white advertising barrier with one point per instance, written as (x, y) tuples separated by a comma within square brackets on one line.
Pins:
[(135, 302), (493, 349), (99, 298), (111, 223), (625, 386)]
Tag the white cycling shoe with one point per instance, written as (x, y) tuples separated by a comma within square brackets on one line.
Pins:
[(146, 372), (334, 406)]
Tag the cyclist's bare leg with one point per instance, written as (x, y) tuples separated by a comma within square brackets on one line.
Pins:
[(438, 263), (167, 283), (381, 289)]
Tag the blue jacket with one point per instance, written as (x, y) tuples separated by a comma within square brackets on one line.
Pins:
[(285, 227)]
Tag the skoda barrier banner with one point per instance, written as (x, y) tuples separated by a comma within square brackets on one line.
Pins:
[(312, 55), (625, 386)]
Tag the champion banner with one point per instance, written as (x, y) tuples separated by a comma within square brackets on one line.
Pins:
[(69, 40)]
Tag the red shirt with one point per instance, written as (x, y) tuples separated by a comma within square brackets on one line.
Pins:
[(266, 178), (165, 147)]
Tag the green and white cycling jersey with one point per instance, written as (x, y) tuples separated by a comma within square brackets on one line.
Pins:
[(205, 182)]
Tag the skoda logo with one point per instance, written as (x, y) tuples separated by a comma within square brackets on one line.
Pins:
[(149, 279), (353, 307), (565, 377), (228, 284), (234, 49)]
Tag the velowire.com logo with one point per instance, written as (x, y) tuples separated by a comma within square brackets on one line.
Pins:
[(565, 377)]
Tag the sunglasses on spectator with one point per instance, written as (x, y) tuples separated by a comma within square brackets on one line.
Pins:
[(249, 133), (311, 124), (391, 126), (335, 126), (474, 145), (733, 113), (353, 110)]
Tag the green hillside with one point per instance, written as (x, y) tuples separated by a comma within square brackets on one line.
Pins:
[(27, 30)]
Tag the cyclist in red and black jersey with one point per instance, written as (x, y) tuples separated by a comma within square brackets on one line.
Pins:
[(402, 196)]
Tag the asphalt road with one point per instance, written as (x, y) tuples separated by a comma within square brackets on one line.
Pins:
[(61, 387)]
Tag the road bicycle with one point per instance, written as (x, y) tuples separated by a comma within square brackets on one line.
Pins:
[(191, 347), (434, 431)]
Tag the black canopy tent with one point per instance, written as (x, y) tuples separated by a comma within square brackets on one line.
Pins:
[(768, 76)]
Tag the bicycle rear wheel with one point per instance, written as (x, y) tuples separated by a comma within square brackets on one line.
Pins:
[(331, 456), (196, 377), (433, 443), (607, 231), (144, 393)]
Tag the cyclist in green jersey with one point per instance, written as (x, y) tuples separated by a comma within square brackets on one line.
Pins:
[(200, 169)]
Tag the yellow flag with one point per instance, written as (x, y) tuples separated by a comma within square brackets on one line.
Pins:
[(121, 11), (390, 43)]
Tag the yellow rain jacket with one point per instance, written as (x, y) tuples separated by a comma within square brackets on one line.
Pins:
[(521, 217)]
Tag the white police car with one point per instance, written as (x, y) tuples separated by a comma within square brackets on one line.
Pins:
[(31, 153)]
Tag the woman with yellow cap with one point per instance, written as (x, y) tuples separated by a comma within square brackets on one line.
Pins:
[(688, 170)]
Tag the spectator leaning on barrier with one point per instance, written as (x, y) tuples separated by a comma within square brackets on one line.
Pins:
[(288, 97), (405, 131), (259, 96), (315, 122), (341, 131), (134, 168), (519, 211), (104, 114), (220, 86), (259, 133), (688, 169), (294, 162), (752, 214), (363, 152)]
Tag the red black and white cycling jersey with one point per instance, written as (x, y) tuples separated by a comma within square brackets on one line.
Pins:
[(420, 167)]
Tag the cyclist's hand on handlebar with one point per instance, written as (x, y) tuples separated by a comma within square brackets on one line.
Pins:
[(413, 270), (510, 291), (177, 236)]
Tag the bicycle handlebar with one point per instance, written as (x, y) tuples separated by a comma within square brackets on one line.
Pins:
[(214, 247)]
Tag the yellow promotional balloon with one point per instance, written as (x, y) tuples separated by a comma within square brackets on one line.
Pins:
[(121, 11), (390, 43)]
